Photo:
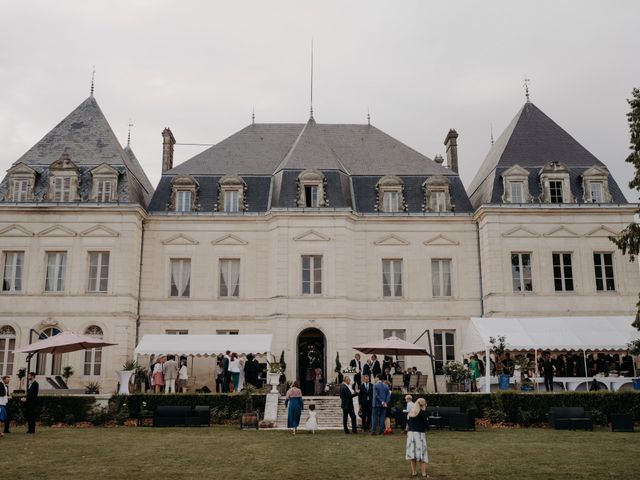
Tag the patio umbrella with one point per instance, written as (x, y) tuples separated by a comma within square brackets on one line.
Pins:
[(64, 342), (392, 346)]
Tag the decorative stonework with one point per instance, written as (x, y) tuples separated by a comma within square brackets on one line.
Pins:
[(184, 183), (312, 178), (390, 184), (437, 197), (104, 186), (21, 179), (515, 175), (230, 183), (63, 173), (555, 171), (595, 175)]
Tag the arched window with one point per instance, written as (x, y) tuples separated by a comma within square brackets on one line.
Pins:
[(42, 362), (7, 347), (93, 357)]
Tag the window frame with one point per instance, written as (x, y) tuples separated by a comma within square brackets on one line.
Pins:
[(8, 351), (390, 206), (183, 200), (441, 276), (93, 356), (58, 265), (99, 270), (104, 195), (563, 277), (188, 288), (521, 279), (604, 278), (443, 347), (600, 188), (14, 268), (520, 188), (231, 205), (221, 279), (313, 268), (557, 192), (393, 286)]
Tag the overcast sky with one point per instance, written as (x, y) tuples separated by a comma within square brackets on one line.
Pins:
[(420, 67)]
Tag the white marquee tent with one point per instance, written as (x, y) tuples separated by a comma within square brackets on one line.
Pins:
[(203, 345), (550, 333)]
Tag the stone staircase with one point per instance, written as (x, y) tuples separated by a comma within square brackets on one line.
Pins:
[(329, 413)]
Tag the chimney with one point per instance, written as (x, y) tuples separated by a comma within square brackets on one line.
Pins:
[(168, 141), (451, 144)]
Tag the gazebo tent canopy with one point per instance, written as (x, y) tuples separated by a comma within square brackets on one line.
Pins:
[(203, 345), (551, 333)]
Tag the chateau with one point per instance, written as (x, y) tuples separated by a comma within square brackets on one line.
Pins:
[(323, 235)]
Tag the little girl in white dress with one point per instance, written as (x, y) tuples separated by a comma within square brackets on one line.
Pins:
[(312, 422)]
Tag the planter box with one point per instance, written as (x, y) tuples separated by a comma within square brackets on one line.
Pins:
[(455, 387)]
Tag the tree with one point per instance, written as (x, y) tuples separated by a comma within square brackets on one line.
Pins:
[(629, 239)]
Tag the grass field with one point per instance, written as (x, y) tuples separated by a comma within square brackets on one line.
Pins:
[(228, 453)]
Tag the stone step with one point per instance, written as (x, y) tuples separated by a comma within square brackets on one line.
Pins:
[(328, 413)]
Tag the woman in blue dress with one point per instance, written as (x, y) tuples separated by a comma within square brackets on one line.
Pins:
[(295, 403)]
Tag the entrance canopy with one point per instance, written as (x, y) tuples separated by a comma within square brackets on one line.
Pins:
[(551, 333), (203, 345)]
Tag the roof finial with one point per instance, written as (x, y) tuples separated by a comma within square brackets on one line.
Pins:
[(129, 133), (253, 115), (311, 102), (527, 81), (93, 74), (368, 117), (491, 124)]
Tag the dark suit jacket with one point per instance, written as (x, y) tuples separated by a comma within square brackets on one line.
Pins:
[(32, 396), (365, 396), (3, 392), (346, 397), (375, 368), (366, 370), (225, 365)]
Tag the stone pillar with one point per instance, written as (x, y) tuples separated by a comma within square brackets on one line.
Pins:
[(168, 141), (451, 144)]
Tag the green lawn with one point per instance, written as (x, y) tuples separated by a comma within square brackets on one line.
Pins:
[(228, 453)]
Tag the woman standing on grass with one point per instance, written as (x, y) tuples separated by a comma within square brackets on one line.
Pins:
[(416, 450), (295, 405)]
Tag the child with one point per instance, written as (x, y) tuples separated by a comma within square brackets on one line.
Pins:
[(407, 410), (312, 422)]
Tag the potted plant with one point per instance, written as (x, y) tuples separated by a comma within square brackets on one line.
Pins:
[(22, 373), (523, 364), (140, 379), (283, 368), (92, 388), (250, 417), (273, 375), (124, 376), (455, 373), (67, 373), (338, 369), (498, 348)]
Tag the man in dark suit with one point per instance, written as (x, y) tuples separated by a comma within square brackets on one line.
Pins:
[(365, 398), (251, 371), (375, 366), (346, 403), (31, 402), (357, 365), (226, 375), (4, 392), (366, 370)]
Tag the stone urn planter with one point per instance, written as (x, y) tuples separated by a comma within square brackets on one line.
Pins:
[(124, 377), (273, 379)]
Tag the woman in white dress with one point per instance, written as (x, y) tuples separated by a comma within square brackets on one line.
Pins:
[(312, 422)]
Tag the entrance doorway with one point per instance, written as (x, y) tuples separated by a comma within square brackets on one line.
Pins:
[(312, 361)]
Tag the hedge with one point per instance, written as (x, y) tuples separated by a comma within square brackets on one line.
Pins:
[(526, 408), (223, 406), (55, 409)]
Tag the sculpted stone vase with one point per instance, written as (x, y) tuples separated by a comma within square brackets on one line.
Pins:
[(124, 377), (273, 379)]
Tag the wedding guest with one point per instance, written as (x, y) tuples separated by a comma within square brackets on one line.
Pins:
[(365, 399), (386, 376), (381, 399), (219, 375), (375, 366), (366, 369), (312, 422), (183, 377), (226, 375), (317, 381), (158, 374), (294, 404), (407, 409), (357, 365), (242, 360), (416, 448), (4, 405), (234, 369), (474, 373), (170, 374), (389, 412), (251, 371), (30, 401), (548, 371), (346, 403)]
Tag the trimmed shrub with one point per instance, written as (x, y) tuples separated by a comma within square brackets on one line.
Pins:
[(55, 409)]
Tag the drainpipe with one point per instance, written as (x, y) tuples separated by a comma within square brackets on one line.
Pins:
[(480, 269), (139, 284)]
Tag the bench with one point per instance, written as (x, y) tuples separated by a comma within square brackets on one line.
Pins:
[(182, 415), (570, 418), (622, 422), (441, 416), (463, 420)]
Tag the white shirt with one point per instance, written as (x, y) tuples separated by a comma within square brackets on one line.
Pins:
[(234, 366), (5, 399), (182, 374)]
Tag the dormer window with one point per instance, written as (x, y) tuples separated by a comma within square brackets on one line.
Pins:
[(311, 189), (184, 194), (436, 194), (105, 184), (63, 180), (515, 181), (390, 195), (21, 181), (555, 182), (232, 194), (595, 184)]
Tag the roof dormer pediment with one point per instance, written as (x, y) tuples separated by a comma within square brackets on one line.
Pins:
[(515, 171), (104, 169), (595, 171), (21, 168), (64, 163)]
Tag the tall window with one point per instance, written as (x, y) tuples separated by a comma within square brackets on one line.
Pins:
[(555, 191), (230, 277), (7, 347), (12, 276), (392, 278), (93, 357), (390, 201), (183, 201), (62, 192), (603, 263), (20, 190), (311, 195), (98, 272), (597, 195), (105, 191), (562, 272), (440, 201), (517, 192), (521, 272), (51, 363), (311, 274), (180, 277), (441, 278), (444, 349), (56, 269), (231, 204)]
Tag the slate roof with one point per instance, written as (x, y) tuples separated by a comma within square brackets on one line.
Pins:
[(532, 140), (85, 134)]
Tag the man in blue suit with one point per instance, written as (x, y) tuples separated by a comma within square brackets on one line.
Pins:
[(381, 398)]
